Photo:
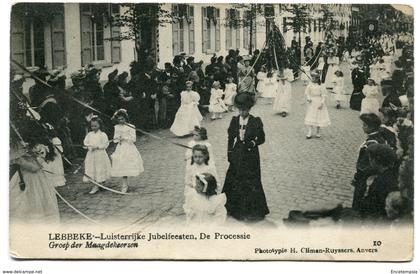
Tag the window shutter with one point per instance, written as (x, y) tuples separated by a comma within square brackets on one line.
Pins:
[(86, 31), (191, 30), (284, 24), (228, 31), (18, 40), (115, 34), (181, 34), (205, 30), (217, 45), (175, 37), (58, 40), (238, 31)]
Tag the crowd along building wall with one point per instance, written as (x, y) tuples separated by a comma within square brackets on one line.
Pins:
[(71, 35)]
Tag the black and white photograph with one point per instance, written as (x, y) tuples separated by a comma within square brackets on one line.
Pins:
[(161, 130)]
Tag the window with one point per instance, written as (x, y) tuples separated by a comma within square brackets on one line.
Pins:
[(232, 33), (211, 29), (183, 35), (92, 31), (37, 35)]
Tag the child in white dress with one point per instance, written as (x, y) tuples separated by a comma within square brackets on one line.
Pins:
[(261, 76), (126, 159), (316, 112), (370, 103), (97, 163), (203, 206), (188, 116), (338, 89), (54, 168), (270, 86), (200, 163), (230, 92), (200, 138), (282, 103), (217, 106)]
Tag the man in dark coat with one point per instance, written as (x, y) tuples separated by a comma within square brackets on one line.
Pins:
[(112, 93), (371, 126), (391, 96), (385, 180), (359, 78), (243, 188)]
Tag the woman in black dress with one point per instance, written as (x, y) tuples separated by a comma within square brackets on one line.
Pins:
[(243, 188)]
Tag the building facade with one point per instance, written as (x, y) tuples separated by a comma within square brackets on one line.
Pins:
[(71, 35)]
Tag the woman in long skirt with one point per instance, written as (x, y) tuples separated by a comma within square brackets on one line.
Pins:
[(243, 188)]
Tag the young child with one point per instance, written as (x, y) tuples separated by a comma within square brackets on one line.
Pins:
[(203, 205), (316, 112), (282, 103), (97, 163), (199, 164), (261, 76), (217, 106), (338, 88), (230, 92), (188, 116), (126, 159), (270, 86), (200, 138), (370, 103)]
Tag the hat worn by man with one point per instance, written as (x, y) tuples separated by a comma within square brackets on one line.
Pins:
[(56, 75), (112, 74), (244, 100), (122, 76), (78, 75)]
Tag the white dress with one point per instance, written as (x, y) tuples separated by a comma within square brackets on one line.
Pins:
[(270, 87), (338, 89), (315, 116), (37, 203), (97, 163), (188, 153), (202, 210), (126, 159), (216, 102), (188, 116), (332, 68), (283, 100), (230, 92), (370, 103), (55, 167), (261, 76)]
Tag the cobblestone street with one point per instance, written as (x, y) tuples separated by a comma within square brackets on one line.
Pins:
[(296, 173)]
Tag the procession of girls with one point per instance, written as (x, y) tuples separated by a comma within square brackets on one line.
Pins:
[(241, 196)]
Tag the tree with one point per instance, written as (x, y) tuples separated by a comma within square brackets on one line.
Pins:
[(251, 12), (300, 21), (138, 21)]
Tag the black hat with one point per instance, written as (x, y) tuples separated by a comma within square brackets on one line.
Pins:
[(244, 100), (190, 58), (112, 74), (122, 76)]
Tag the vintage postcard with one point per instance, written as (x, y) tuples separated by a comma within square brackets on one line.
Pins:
[(211, 131)]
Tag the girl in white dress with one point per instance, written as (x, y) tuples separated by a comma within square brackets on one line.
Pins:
[(270, 86), (55, 167), (126, 159), (97, 163), (203, 206), (370, 104), (200, 138), (261, 76), (282, 103), (333, 62), (230, 92), (200, 163), (316, 112), (338, 89), (217, 106), (32, 196), (188, 116)]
